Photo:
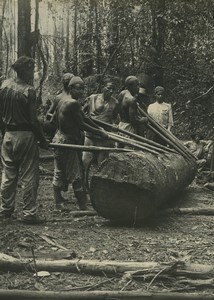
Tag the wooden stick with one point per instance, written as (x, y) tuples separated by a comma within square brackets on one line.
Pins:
[(116, 268), (183, 153), (164, 132), (131, 134), (92, 295), (111, 134), (87, 148), (131, 143), (189, 211), (212, 159)]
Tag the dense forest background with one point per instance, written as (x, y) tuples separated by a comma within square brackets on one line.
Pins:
[(163, 42)]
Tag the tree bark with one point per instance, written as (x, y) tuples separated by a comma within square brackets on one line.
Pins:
[(1, 36), (130, 187), (24, 28), (128, 295)]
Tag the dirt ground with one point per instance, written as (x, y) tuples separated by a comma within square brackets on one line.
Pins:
[(163, 239)]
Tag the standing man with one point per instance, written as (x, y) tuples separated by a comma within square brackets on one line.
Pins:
[(105, 108), (161, 112), (128, 106), (70, 121), (65, 81), (21, 130)]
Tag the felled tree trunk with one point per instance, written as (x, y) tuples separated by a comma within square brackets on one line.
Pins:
[(132, 186), (128, 295)]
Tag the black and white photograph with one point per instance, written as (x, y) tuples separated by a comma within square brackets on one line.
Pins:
[(107, 157)]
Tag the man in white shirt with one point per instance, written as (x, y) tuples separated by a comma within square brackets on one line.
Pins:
[(161, 112)]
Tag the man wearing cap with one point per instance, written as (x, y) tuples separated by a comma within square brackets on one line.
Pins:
[(70, 121), (161, 112), (128, 106), (105, 108), (65, 81), (21, 130)]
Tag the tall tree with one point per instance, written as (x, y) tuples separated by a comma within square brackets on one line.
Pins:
[(1, 37), (24, 28)]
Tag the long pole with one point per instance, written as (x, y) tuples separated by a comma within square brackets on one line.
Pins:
[(111, 134), (164, 132), (133, 135), (87, 148), (131, 143)]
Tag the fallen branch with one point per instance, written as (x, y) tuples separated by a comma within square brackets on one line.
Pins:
[(128, 295), (51, 241), (114, 268), (189, 211)]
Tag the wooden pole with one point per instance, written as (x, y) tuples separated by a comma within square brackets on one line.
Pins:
[(92, 295), (109, 267), (131, 134), (131, 143), (111, 134), (164, 132), (183, 153), (87, 148)]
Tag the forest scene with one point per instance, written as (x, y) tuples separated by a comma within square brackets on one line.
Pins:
[(161, 42), (83, 253)]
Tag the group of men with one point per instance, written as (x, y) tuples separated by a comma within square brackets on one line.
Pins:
[(74, 123)]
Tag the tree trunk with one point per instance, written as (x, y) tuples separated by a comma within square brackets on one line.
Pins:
[(73, 295), (67, 53), (98, 42), (36, 28), (131, 187), (24, 28), (1, 36), (75, 59)]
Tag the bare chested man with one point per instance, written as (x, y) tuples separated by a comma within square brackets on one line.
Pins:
[(70, 121), (128, 106), (105, 108)]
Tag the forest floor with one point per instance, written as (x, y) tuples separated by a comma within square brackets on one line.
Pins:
[(163, 239)]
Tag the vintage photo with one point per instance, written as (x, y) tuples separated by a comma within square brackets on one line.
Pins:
[(107, 157)]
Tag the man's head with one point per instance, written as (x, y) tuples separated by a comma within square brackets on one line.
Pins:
[(132, 84), (196, 137), (24, 67), (159, 94), (108, 89), (76, 87), (66, 79)]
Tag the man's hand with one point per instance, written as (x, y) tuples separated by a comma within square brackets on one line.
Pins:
[(44, 144), (144, 120), (103, 133)]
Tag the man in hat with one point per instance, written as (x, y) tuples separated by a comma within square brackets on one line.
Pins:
[(70, 121), (200, 148), (161, 112), (105, 108), (65, 81), (22, 131), (128, 106)]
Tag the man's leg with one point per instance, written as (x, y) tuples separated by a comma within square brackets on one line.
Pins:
[(80, 193), (29, 169), (9, 178), (87, 157), (8, 189)]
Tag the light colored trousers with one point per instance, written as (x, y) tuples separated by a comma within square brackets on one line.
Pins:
[(20, 157)]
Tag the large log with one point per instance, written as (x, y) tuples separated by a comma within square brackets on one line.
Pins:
[(107, 295), (132, 186)]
